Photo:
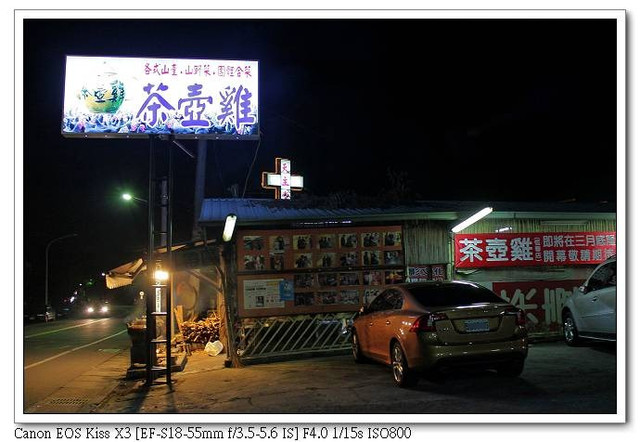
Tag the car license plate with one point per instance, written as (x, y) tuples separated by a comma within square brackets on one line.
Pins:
[(476, 325)]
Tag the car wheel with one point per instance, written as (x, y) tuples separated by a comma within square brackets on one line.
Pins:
[(570, 331), (355, 348), (512, 369), (403, 376)]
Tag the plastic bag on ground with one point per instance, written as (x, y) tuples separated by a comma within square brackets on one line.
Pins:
[(213, 348)]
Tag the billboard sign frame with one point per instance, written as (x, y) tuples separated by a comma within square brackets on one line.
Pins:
[(139, 97)]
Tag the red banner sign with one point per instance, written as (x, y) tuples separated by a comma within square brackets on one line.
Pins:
[(542, 301), (533, 249)]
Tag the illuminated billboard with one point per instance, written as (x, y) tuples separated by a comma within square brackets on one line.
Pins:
[(138, 97)]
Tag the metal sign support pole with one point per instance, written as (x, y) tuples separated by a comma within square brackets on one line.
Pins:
[(169, 303), (150, 330)]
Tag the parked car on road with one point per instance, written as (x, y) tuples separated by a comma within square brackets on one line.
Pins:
[(40, 313), (591, 313), (424, 327)]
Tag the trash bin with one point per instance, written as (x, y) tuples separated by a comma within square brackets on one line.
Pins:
[(137, 332)]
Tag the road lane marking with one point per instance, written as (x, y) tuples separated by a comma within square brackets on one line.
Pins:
[(72, 350), (66, 328)]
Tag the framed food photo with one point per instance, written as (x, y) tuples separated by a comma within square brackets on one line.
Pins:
[(348, 259), (302, 242), (304, 299), (303, 261), (303, 281), (253, 242), (351, 297), (393, 257), (393, 239), (276, 261), (370, 239), (327, 298), (328, 279), (375, 277), (349, 278), (371, 258), (279, 243), (254, 262), (326, 260), (348, 240), (326, 242), (393, 276)]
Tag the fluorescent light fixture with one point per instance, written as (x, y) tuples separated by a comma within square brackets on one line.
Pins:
[(503, 229), (229, 227), (472, 219)]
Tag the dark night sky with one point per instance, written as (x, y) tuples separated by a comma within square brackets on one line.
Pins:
[(469, 109)]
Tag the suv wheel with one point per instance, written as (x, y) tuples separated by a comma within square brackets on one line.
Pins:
[(570, 331)]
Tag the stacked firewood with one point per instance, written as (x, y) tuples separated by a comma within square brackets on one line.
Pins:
[(203, 331)]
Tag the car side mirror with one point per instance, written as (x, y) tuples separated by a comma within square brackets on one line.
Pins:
[(363, 310), (583, 289)]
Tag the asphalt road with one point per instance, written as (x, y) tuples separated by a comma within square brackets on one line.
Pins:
[(57, 352)]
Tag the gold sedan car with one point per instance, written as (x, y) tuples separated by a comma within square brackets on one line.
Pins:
[(423, 327)]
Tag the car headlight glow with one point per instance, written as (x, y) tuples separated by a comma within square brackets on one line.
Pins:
[(104, 309), (90, 310)]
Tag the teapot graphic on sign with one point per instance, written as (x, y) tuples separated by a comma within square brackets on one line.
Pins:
[(104, 93)]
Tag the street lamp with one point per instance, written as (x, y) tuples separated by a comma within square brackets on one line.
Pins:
[(129, 197), (46, 265)]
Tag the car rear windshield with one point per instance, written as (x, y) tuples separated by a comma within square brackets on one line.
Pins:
[(453, 295)]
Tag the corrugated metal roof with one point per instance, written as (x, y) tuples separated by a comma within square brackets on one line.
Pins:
[(265, 211)]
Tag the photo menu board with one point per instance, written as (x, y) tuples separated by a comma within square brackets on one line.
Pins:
[(329, 270)]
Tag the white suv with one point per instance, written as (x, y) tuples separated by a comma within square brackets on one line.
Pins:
[(591, 313)]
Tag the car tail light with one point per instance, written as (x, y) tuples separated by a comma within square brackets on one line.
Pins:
[(518, 313), (427, 323)]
